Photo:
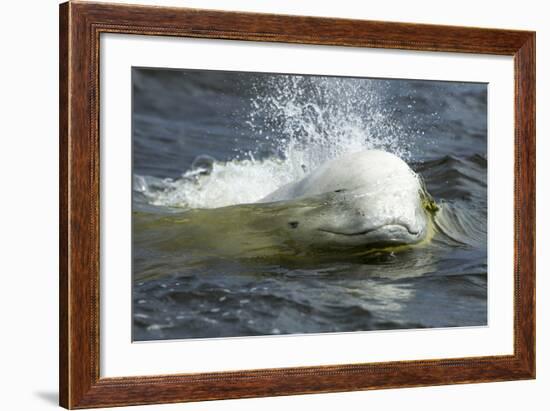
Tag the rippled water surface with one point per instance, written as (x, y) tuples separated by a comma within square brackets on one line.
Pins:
[(206, 259)]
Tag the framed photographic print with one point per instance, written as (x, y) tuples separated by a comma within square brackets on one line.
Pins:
[(257, 205)]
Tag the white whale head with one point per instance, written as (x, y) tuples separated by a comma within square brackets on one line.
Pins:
[(368, 198)]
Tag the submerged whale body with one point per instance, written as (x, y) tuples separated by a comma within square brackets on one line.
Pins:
[(350, 206), (366, 198)]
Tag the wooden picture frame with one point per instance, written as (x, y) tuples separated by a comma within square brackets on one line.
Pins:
[(81, 24)]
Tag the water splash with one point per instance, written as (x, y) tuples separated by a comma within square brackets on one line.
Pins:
[(309, 120), (299, 123)]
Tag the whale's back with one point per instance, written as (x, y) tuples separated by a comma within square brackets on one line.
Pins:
[(369, 170)]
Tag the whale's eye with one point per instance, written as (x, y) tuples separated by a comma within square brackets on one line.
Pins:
[(339, 191), (293, 224)]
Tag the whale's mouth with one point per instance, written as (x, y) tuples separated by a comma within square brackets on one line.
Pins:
[(390, 228)]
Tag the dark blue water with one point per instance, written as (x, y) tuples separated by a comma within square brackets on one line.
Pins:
[(204, 139)]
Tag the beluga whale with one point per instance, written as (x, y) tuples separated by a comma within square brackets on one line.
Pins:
[(370, 198), (355, 204)]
